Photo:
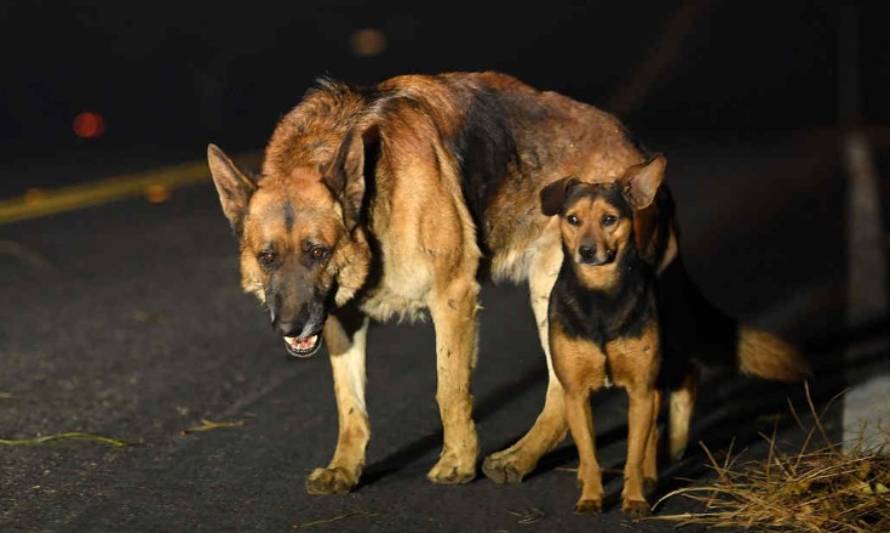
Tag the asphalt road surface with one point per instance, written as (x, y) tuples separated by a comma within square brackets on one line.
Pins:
[(126, 320)]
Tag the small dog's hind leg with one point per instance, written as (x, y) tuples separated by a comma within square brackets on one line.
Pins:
[(682, 403)]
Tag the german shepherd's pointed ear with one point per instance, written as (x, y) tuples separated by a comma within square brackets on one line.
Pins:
[(554, 195), (641, 182), (234, 186), (346, 175)]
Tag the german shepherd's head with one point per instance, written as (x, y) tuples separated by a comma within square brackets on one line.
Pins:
[(303, 249), (597, 219)]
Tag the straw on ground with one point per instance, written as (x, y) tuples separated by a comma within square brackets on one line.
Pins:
[(825, 489), (210, 425), (72, 435)]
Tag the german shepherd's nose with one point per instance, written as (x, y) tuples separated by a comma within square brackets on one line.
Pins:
[(292, 328), (291, 324)]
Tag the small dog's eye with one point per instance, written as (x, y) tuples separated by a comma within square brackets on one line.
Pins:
[(266, 258), (608, 220), (573, 220), (318, 252)]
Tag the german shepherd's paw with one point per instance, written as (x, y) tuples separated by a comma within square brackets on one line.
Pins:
[(504, 467), (330, 481), (636, 508), (452, 470), (589, 506)]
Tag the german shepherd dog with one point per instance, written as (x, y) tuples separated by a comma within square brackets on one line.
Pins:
[(391, 202)]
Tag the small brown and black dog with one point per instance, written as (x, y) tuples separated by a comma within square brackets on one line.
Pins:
[(604, 321), (620, 314)]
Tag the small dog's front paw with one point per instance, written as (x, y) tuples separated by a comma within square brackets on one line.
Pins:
[(636, 508), (330, 481), (589, 506), (453, 470)]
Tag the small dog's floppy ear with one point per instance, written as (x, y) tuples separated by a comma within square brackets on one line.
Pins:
[(234, 186), (554, 195), (641, 182)]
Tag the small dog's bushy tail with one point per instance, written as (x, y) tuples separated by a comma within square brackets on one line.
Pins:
[(696, 327), (765, 355)]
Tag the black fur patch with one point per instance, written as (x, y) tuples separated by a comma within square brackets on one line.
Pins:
[(485, 148), (601, 316), (289, 216), (611, 192)]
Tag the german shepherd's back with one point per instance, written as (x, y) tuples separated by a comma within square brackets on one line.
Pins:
[(506, 139)]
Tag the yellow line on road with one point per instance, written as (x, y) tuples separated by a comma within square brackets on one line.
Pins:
[(155, 184)]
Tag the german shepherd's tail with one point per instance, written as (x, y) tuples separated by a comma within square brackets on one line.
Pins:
[(698, 328)]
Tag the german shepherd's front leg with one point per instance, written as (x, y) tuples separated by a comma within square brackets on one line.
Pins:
[(346, 338), (453, 310), (512, 464)]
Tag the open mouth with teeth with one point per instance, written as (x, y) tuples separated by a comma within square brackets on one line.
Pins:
[(302, 346)]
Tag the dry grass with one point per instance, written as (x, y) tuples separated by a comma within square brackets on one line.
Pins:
[(71, 435), (822, 488), (210, 425)]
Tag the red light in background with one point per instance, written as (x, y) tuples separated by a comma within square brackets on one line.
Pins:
[(89, 125)]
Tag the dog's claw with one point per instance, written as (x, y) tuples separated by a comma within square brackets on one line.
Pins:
[(635, 508), (589, 506), (501, 468), (452, 471), (329, 481)]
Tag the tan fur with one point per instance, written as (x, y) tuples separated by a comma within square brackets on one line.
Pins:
[(589, 213), (412, 246), (633, 364), (765, 355)]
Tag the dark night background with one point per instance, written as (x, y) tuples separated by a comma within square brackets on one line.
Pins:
[(126, 319), (170, 76)]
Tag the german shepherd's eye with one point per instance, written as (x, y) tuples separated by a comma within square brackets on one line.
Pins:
[(609, 220), (267, 258), (318, 252), (573, 220)]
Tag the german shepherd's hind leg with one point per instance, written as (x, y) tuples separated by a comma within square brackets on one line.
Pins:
[(590, 477), (347, 352), (454, 310), (514, 463), (642, 400)]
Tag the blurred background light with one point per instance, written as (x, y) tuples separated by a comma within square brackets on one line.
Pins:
[(367, 42), (89, 125), (157, 193)]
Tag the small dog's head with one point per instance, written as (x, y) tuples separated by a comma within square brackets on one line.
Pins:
[(597, 218), (301, 249)]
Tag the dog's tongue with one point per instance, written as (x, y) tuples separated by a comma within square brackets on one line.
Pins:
[(302, 344)]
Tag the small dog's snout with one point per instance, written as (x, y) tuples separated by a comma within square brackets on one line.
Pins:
[(587, 252)]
